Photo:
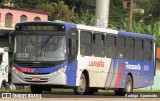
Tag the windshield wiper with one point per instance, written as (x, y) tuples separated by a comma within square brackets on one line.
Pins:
[(47, 40)]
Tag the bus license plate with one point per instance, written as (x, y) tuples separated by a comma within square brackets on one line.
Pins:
[(36, 79)]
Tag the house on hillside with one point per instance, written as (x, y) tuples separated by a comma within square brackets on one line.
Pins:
[(126, 3), (9, 16), (136, 9)]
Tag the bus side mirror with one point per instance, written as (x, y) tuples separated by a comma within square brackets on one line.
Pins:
[(6, 49)]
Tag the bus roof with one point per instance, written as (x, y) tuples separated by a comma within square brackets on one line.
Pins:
[(97, 29), (132, 34), (94, 29), (57, 21)]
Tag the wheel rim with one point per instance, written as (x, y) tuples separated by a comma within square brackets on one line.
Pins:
[(82, 85), (3, 88), (129, 86)]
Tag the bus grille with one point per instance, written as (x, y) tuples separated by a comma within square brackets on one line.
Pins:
[(42, 80), (36, 74)]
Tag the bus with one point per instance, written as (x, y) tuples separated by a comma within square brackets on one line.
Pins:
[(50, 54)]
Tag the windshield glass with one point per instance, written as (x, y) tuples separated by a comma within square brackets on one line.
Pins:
[(40, 48)]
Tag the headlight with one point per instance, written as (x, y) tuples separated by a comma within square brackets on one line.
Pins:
[(61, 70), (16, 71)]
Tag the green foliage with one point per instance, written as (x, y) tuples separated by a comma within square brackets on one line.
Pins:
[(151, 7), (83, 11), (58, 11), (117, 11), (140, 27), (1, 1), (28, 4), (85, 17), (82, 4)]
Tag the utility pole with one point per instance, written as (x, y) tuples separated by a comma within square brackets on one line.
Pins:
[(102, 13), (131, 15)]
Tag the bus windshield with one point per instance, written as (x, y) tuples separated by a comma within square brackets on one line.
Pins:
[(40, 48)]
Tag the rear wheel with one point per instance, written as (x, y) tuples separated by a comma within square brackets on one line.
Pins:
[(36, 89), (128, 87)]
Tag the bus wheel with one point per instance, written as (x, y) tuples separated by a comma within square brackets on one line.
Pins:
[(82, 88), (3, 87), (36, 89), (129, 85)]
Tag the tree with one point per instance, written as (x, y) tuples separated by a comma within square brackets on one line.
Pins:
[(28, 4), (117, 11), (82, 4), (85, 17), (58, 11), (141, 27), (151, 7)]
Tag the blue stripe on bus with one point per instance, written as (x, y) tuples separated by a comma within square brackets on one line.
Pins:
[(135, 35), (142, 77), (71, 73)]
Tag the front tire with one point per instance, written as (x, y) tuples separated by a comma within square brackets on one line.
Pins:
[(3, 87), (82, 88)]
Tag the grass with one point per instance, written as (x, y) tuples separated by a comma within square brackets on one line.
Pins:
[(146, 90)]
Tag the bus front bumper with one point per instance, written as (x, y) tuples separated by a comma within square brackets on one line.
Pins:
[(46, 79)]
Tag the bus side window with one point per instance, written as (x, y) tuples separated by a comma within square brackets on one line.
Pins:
[(86, 43), (110, 42), (147, 50), (73, 46), (121, 47), (70, 46), (98, 45), (139, 49), (130, 48)]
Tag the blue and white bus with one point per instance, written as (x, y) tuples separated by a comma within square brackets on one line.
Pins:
[(86, 58)]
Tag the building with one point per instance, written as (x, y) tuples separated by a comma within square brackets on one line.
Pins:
[(136, 9), (126, 3), (158, 58), (9, 16)]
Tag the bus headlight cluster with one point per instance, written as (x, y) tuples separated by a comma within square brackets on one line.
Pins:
[(16, 71), (61, 70)]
